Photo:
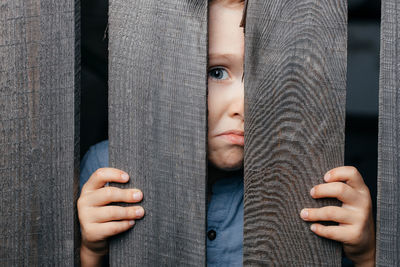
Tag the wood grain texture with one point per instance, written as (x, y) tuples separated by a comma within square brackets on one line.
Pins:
[(39, 142), (388, 202), (295, 79), (157, 126)]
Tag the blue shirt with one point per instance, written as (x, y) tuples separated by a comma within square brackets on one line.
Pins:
[(224, 214)]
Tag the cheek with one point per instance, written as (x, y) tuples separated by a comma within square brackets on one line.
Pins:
[(216, 104)]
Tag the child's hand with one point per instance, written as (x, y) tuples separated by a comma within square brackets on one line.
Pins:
[(356, 225), (98, 220)]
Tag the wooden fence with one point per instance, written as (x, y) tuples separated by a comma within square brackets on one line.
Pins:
[(388, 217), (295, 79), (39, 133)]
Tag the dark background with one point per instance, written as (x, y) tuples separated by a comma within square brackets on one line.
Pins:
[(362, 83)]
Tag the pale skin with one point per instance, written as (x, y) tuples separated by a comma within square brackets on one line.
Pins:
[(355, 227), (99, 220)]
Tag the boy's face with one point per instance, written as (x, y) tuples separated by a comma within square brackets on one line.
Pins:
[(225, 86)]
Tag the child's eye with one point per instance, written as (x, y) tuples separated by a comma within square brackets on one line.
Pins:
[(218, 73)]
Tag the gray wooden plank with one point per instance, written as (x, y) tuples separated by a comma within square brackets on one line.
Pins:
[(295, 80), (157, 126), (39, 127), (388, 199)]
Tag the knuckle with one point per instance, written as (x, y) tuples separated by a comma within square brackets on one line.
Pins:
[(357, 235), (89, 235), (84, 232), (82, 224), (128, 194), (341, 188), (366, 193), (115, 213), (84, 216), (128, 213), (353, 171), (365, 204), (108, 192), (79, 203), (99, 172), (122, 213), (364, 215), (83, 189), (328, 211)]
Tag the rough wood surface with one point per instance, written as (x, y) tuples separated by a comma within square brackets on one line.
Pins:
[(39, 119), (157, 126), (295, 79), (388, 214)]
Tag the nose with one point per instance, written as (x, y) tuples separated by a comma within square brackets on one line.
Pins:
[(236, 107)]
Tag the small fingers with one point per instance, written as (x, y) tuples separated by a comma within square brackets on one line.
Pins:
[(113, 228), (104, 175), (117, 213), (329, 213), (347, 174), (338, 233), (107, 195), (338, 190)]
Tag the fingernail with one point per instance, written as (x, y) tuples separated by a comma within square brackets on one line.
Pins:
[(131, 222), (139, 212), (137, 196), (125, 176), (327, 176), (312, 191), (304, 214), (313, 227)]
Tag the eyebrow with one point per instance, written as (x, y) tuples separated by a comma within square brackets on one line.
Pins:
[(227, 56)]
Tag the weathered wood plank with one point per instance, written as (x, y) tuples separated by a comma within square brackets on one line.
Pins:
[(388, 200), (39, 127), (295, 79), (157, 126)]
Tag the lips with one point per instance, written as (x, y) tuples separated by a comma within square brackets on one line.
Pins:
[(234, 137), (235, 132)]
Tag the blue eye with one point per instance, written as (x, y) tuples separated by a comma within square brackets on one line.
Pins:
[(218, 73)]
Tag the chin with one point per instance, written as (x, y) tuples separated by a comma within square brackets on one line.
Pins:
[(232, 167), (229, 164), (229, 158)]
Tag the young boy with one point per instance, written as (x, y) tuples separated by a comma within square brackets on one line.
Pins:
[(225, 151)]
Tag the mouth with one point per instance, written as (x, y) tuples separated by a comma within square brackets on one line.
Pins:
[(233, 136)]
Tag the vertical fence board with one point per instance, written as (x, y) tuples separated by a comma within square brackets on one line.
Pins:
[(388, 202), (157, 126), (295, 78), (39, 127)]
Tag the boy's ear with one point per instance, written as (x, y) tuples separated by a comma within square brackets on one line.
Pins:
[(243, 22)]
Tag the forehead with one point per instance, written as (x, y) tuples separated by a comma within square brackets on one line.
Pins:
[(225, 34)]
